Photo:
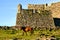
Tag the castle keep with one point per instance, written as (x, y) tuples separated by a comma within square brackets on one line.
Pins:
[(35, 16)]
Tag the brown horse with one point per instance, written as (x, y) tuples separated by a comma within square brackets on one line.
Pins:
[(27, 29)]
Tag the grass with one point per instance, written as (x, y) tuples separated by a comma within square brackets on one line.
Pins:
[(11, 34)]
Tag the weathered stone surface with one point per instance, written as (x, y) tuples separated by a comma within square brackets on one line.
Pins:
[(55, 9), (35, 18)]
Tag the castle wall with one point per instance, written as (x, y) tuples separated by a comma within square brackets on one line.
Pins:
[(23, 17), (55, 9), (38, 19)]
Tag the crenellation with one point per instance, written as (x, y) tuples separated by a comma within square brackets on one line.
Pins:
[(19, 8), (38, 6), (32, 6)]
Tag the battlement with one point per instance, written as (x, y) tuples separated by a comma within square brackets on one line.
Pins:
[(19, 8), (54, 7), (32, 6), (37, 6)]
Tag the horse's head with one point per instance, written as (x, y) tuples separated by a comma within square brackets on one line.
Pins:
[(28, 28)]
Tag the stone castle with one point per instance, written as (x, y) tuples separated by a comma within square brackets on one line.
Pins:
[(38, 15)]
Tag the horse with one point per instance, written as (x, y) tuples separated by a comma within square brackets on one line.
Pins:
[(27, 29)]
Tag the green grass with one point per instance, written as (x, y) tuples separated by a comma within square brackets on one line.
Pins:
[(10, 34)]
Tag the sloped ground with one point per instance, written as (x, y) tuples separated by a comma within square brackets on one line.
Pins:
[(35, 35)]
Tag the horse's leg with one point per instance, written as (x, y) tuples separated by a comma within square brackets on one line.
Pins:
[(23, 33), (32, 31), (26, 33)]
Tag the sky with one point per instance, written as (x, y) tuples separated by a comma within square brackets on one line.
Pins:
[(8, 9)]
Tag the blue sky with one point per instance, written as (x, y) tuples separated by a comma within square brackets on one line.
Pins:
[(8, 9)]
